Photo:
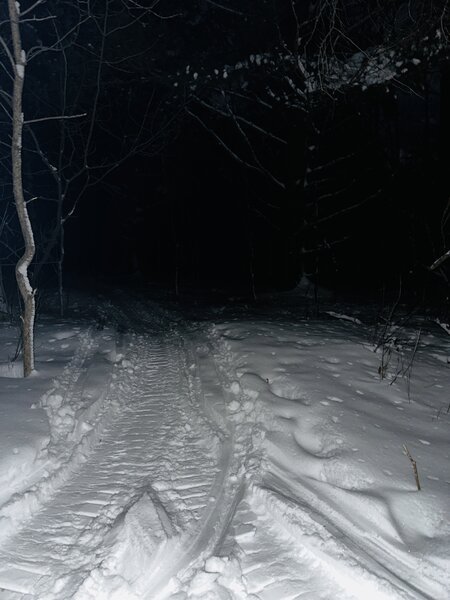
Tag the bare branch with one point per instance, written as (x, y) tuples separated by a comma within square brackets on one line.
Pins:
[(7, 51), (30, 8), (55, 118), (347, 208), (227, 148), (151, 9), (438, 262), (39, 19), (250, 146), (226, 8), (242, 120)]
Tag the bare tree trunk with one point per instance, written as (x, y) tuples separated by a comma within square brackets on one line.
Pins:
[(23, 282)]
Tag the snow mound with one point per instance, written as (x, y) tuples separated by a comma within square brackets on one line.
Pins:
[(140, 535), (14, 370)]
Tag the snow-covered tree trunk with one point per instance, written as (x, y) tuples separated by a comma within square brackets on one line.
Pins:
[(23, 282)]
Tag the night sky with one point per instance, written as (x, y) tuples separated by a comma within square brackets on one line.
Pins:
[(214, 161)]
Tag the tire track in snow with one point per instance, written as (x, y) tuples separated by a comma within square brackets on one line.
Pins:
[(284, 552), (155, 446), (328, 544), (207, 398)]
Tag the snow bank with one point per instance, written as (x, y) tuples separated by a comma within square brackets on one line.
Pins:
[(49, 421), (334, 447)]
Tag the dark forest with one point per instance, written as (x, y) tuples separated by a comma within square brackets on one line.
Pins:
[(233, 145)]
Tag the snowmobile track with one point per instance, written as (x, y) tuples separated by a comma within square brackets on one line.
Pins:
[(154, 446)]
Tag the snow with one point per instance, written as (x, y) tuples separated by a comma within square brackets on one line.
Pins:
[(229, 454), (336, 442), (20, 69)]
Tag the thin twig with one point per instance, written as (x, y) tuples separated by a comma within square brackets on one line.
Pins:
[(438, 262), (407, 453), (55, 118)]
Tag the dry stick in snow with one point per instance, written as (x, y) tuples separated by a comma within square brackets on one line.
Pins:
[(414, 466)]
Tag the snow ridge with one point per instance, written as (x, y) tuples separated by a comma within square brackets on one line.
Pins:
[(73, 433)]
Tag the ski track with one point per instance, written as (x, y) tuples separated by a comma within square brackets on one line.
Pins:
[(272, 567), (154, 443)]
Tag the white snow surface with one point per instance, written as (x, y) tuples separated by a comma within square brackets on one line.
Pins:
[(260, 457)]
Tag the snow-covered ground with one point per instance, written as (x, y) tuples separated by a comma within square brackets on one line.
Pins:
[(232, 454)]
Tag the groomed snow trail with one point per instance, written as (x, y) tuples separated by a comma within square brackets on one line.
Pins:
[(158, 472)]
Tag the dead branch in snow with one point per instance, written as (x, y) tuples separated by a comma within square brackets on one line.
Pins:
[(407, 453)]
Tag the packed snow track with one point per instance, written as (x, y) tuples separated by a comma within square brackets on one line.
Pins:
[(156, 484)]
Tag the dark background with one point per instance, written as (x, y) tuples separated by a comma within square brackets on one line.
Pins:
[(183, 213), (192, 213)]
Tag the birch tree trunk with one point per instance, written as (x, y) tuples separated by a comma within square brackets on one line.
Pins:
[(23, 282)]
